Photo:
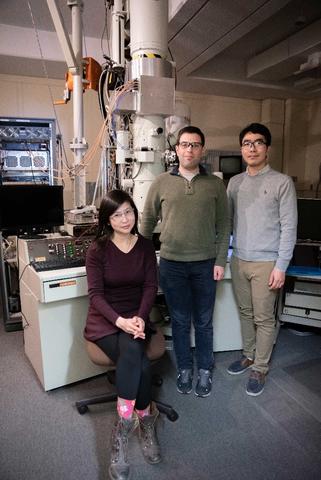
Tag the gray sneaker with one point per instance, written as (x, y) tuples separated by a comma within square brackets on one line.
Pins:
[(239, 366), (204, 383), (184, 382), (255, 385)]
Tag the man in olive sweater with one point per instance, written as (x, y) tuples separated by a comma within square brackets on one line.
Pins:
[(264, 210), (195, 231)]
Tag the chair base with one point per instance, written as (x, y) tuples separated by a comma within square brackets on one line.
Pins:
[(82, 405), (167, 410)]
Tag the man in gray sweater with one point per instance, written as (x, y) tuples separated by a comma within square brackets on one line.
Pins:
[(264, 210)]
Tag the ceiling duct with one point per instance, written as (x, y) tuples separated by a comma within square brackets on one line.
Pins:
[(309, 74), (314, 61)]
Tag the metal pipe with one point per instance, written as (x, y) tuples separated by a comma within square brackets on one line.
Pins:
[(79, 144), (148, 27), (117, 31)]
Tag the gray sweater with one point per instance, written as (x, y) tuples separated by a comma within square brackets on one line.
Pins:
[(264, 213)]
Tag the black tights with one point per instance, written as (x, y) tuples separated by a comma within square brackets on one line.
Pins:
[(133, 370)]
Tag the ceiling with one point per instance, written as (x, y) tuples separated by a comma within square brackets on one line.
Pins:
[(240, 48)]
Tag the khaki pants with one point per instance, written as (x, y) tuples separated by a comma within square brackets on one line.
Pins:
[(256, 303)]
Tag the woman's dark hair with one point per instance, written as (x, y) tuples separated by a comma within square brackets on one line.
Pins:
[(109, 204), (256, 128)]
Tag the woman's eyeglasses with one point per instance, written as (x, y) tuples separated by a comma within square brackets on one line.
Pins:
[(118, 215)]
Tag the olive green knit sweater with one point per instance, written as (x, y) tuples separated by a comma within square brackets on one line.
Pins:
[(195, 223)]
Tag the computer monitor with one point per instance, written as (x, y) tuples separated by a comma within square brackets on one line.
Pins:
[(230, 165), (309, 219), (30, 208)]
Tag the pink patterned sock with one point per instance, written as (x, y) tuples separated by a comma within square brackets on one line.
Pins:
[(143, 413), (125, 407)]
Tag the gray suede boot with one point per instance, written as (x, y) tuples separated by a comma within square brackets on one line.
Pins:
[(148, 436), (119, 467)]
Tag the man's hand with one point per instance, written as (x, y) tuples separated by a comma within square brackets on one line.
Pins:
[(218, 273), (276, 279)]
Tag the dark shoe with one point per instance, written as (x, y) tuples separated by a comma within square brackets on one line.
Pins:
[(204, 383), (255, 385), (184, 381), (119, 467), (240, 366), (148, 436)]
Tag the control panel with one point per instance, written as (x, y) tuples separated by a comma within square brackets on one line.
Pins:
[(60, 248)]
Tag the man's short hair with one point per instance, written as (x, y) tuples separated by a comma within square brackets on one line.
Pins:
[(257, 128), (191, 129)]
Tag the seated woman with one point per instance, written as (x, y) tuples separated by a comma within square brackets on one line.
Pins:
[(122, 285)]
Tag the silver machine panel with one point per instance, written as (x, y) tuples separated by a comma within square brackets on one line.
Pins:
[(27, 150)]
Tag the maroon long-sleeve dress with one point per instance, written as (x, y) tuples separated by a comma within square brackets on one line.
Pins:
[(119, 284)]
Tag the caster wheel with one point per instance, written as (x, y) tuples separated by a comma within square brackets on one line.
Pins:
[(82, 409), (173, 416)]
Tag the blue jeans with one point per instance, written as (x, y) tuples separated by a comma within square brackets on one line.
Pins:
[(189, 290)]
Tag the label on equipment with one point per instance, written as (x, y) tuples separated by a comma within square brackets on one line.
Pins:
[(66, 283)]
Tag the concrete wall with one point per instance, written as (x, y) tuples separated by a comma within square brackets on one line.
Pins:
[(295, 137), (302, 143), (221, 118), (313, 150)]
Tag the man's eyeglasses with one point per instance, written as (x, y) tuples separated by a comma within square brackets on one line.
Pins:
[(119, 215), (193, 145), (256, 144)]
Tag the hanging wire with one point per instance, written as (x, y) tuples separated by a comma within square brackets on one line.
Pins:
[(105, 30), (106, 138)]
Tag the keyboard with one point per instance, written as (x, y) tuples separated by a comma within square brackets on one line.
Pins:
[(58, 264)]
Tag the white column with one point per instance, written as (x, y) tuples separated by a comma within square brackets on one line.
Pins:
[(79, 144)]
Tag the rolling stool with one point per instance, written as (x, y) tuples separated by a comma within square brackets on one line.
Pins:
[(155, 350)]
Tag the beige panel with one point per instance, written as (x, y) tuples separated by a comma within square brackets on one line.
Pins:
[(295, 138)]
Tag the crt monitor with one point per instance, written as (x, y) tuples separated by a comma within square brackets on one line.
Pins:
[(230, 165), (309, 219), (30, 208)]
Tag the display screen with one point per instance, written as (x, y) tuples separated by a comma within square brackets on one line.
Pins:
[(31, 208), (230, 165), (309, 219)]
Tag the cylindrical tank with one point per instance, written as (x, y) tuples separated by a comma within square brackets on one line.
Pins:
[(117, 33), (148, 28)]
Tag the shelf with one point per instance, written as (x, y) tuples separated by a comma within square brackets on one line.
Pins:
[(303, 273), (299, 320), (14, 322)]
